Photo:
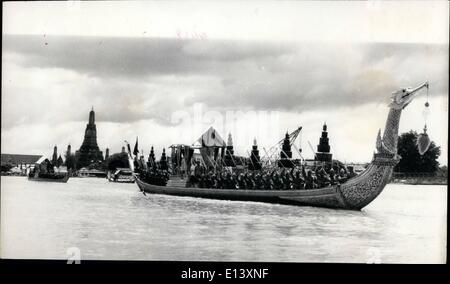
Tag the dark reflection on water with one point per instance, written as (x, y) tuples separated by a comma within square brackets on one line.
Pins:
[(116, 221)]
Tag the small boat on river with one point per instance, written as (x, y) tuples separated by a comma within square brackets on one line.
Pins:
[(121, 175), (45, 171), (53, 177)]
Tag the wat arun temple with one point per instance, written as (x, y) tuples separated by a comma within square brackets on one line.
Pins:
[(89, 152)]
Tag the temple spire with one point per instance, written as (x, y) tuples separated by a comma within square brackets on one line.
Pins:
[(255, 163), (92, 116), (89, 151), (55, 155), (229, 153)]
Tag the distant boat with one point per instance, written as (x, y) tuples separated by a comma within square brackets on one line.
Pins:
[(121, 175), (53, 177), (44, 171), (84, 172), (354, 194)]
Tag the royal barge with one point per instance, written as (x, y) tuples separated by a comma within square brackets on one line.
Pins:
[(354, 194)]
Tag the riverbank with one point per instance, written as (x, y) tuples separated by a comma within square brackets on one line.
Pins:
[(421, 180), (413, 182)]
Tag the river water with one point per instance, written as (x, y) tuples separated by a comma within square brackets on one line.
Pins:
[(111, 221)]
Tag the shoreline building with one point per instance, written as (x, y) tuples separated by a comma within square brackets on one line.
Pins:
[(89, 152), (19, 163), (323, 149)]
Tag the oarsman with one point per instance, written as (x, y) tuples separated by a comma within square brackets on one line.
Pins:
[(299, 181), (351, 172), (322, 178), (192, 179), (342, 176), (304, 173), (241, 182), (211, 180), (332, 175), (268, 183), (259, 183), (315, 179), (183, 168), (287, 181), (227, 181), (221, 182), (232, 181), (207, 180), (277, 182), (249, 180), (197, 173), (200, 180), (221, 178), (309, 183)]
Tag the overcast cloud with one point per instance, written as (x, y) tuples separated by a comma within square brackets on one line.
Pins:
[(132, 79), (52, 77)]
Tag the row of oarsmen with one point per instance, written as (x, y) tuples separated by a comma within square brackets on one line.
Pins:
[(277, 179), (153, 176)]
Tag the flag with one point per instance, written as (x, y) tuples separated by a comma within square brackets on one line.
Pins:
[(130, 159), (129, 148), (136, 151)]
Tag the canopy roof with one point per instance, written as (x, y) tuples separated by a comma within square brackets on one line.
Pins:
[(210, 139)]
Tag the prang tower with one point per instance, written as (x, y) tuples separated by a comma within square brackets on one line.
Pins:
[(89, 152)]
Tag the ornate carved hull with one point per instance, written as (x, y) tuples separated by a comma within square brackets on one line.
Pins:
[(359, 191), (354, 194)]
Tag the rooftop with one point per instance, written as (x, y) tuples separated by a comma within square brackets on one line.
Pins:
[(16, 159)]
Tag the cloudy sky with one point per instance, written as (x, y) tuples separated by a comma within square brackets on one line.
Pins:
[(166, 71)]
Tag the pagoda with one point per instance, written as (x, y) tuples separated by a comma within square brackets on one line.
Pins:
[(255, 160), (151, 158), (286, 153), (323, 149), (89, 153), (229, 154), (163, 161)]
